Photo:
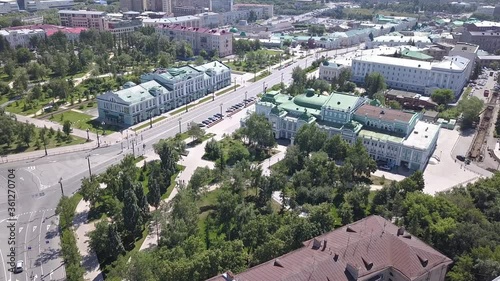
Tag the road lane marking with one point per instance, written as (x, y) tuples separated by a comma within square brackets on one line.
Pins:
[(42, 219), (21, 229), (3, 264), (34, 228), (26, 245), (48, 226)]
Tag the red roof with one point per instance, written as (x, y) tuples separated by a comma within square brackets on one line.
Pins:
[(364, 248), (386, 114), (50, 29)]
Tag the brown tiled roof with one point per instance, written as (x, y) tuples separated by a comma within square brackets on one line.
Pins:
[(366, 247), (386, 114)]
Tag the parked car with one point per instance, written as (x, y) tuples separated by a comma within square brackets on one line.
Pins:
[(201, 125), (461, 158)]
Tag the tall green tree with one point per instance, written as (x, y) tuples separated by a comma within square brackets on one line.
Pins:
[(132, 219)]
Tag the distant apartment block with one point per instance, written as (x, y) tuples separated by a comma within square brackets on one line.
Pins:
[(488, 40), (161, 91), (200, 38), (268, 10), (8, 6), (37, 5), (21, 36), (371, 249), (188, 21), (133, 5), (221, 6), (81, 18), (413, 75)]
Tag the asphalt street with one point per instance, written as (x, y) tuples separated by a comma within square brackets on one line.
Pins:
[(38, 190)]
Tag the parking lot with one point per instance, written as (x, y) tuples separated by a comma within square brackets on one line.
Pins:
[(218, 117)]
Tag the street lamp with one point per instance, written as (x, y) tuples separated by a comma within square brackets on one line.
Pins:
[(45, 144), (264, 87), (103, 130), (235, 84), (221, 108), (151, 119), (90, 170), (62, 190), (180, 127), (88, 137), (97, 134), (246, 92)]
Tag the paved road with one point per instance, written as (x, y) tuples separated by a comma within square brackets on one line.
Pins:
[(38, 190)]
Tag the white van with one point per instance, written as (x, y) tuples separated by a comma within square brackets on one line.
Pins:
[(19, 266)]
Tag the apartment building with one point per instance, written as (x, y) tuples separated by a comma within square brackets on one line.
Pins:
[(160, 91), (188, 21), (468, 51), (371, 249), (268, 10), (488, 40), (221, 6), (37, 5), (414, 75), (82, 18), (22, 37), (200, 38)]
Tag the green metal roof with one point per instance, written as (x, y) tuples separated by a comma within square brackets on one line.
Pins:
[(309, 100), (341, 102), (415, 55)]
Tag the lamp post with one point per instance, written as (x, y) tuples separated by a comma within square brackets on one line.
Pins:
[(90, 170), (150, 120), (180, 126), (88, 137), (282, 77), (45, 144), (264, 87), (187, 105), (213, 94), (97, 134), (221, 108), (246, 92), (60, 183), (103, 130), (235, 84), (133, 148)]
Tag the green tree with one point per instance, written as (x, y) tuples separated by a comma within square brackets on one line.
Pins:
[(154, 190), (27, 133), (132, 219), (213, 150), (360, 160), (394, 105), (443, 96), (258, 131), (336, 148), (310, 138), (23, 55), (470, 108), (21, 79), (374, 83), (90, 190), (67, 128), (195, 131)]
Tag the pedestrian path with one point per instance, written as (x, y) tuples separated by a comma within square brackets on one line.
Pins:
[(82, 228)]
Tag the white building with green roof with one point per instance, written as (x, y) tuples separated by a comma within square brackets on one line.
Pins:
[(160, 91), (392, 137)]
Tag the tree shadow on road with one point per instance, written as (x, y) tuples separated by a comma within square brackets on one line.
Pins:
[(47, 255), (80, 218), (51, 234), (90, 262)]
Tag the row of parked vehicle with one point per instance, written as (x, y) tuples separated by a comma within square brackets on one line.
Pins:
[(210, 121), (237, 107)]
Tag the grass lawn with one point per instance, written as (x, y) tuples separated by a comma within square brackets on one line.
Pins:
[(380, 180), (81, 121), (172, 182), (3, 99), (146, 124), (260, 76), (18, 107), (18, 147), (231, 88)]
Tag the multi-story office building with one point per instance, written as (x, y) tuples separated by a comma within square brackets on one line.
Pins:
[(37, 5), (161, 91), (395, 137), (200, 38), (119, 27), (82, 18), (414, 75), (268, 10), (468, 51), (22, 37), (222, 6)]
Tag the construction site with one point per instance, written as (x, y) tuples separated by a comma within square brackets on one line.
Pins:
[(487, 120)]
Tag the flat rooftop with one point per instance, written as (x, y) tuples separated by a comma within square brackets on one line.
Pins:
[(422, 135), (369, 134)]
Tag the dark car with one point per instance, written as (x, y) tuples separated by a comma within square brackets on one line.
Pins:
[(461, 158)]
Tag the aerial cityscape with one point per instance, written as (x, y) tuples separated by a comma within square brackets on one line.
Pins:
[(249, 140)]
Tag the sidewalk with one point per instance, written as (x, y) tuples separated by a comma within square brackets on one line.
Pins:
[(82, 228)]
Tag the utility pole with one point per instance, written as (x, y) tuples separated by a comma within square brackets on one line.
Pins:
[(150, 120), (221, 108), (90, 170), (235, 84), (88, 137), (213, 94), (60, 182), (180, 127), (45, 144), (187, 106)]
